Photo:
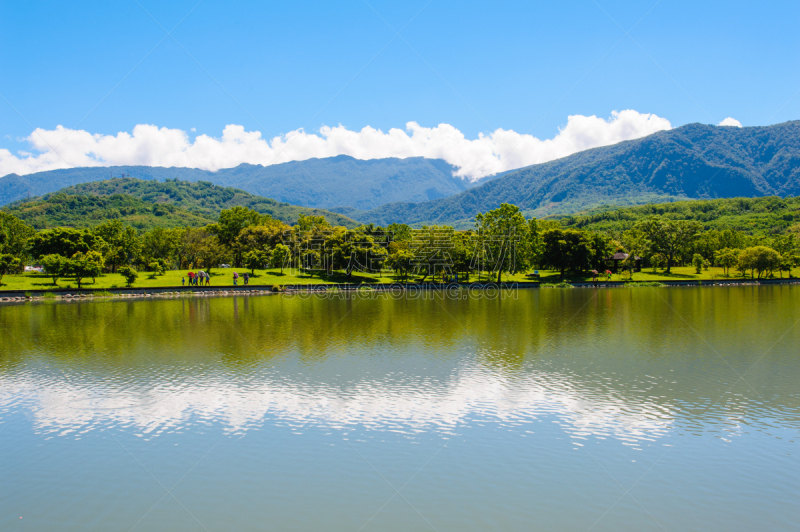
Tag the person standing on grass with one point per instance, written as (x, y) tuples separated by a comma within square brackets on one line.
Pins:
[(246, 279), (208, 279), (183, 280), (235, 278)]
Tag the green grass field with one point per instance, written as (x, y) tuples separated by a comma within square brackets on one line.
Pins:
[(224, 277)]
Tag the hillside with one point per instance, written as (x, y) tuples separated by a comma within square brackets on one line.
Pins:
[(693, 161), (145, 204), (321, 183), (84, 211), (755, 216)]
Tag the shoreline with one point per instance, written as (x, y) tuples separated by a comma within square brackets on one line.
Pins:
[(12, 296)]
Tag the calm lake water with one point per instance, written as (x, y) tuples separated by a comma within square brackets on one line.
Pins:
[(610, 409)]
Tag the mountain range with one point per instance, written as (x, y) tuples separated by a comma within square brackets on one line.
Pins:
[(694, 161), (340, 181)]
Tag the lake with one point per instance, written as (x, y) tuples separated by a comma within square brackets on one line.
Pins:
[(581, 409)]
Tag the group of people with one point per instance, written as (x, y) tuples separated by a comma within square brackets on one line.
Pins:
[(245, 278), (199, 278)]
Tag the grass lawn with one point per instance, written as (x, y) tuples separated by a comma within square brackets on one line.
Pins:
[(224, 277), (219, 277)]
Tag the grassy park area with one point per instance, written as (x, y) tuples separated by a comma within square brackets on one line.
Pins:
[(224, 277)]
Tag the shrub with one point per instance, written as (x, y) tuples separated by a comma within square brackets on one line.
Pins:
[(129, 274)]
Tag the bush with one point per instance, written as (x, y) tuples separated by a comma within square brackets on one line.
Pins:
[(129, 274), (697, 262)]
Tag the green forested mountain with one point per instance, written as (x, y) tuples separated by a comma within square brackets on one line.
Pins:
[(321, 183), (147, 204), (88, 210), (765, 216), (693, 161)]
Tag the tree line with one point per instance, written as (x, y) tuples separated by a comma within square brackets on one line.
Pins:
[(502, 242)]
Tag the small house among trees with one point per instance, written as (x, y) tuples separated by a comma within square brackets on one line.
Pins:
[(619, 257)]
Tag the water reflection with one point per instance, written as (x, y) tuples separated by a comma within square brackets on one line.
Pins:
[(632, 365)]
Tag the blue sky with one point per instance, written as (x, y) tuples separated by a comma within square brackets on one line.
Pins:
[(275, 67)]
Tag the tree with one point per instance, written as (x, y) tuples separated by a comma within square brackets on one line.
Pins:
[(83, 265), (211, 253), (759, 259), (65, 242), (123, 244), (400, 259), (155, 268), (129, 274), (260, 237), (280, 255), (669, 237), (230, 224), (160, 243), (256, 259), (565, 250), (697, 262), (600, 248), (9, 264), (312, 223), (534, 245), (399, 232), (502, 231), (54, 265), (726, 258), (14, 235), (657, 259)]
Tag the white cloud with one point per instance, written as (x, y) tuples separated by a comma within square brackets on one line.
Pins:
[(730, 122), (488, 154)]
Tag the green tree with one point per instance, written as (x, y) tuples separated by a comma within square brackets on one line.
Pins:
[(697, 262), (256, 259), (129, 274), (566, 250), (14, 235), (230, 224), (600, 249), (312, 223), (123, 244), (759, 259), (280, 255), (211, 253), (55, 266), (400, 259), (657, 259), (726, 258), (503, 230), (160, 243), (155, 268), (669, 237), (65, 242), (82, 265), (399, 232), (260, 237), (9, 264)]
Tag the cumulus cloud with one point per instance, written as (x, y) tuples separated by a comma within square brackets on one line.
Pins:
[(730, 122), (490, 153)]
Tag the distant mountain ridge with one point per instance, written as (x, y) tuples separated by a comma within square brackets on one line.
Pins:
[(340, 181), (692, 161)]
